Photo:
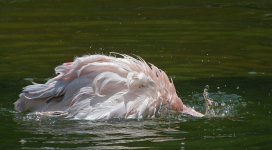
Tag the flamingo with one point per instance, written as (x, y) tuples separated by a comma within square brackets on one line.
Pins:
[(95, 87)]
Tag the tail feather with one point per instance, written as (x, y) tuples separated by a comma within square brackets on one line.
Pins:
[(33, 97)]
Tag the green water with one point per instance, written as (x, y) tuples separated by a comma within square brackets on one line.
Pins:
[(224, 44)]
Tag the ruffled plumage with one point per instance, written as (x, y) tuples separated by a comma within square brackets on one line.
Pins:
[(97, 87)]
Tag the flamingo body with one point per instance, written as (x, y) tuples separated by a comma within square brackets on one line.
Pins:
[(97, 87)]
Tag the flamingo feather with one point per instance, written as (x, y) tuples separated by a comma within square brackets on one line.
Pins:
[(95, 87)]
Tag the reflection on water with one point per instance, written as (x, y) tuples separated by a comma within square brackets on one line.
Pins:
[(52, 131)]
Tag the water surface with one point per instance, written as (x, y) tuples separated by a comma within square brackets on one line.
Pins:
[(223, 44)]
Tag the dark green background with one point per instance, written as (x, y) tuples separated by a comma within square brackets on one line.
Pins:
[(225, 44)]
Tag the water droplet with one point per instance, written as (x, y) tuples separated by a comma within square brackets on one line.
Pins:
[(252, 73), (22, 141), (237, 88), (244, 104), (207, 87)]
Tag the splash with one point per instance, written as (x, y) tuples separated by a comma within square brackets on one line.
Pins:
[(219, 104)]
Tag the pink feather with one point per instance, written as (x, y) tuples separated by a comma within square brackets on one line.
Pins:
[(103, 87)]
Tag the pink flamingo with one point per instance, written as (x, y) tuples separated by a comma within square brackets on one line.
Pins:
[(98, 87)]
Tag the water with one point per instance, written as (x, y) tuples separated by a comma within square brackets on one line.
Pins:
[(223, 44)]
